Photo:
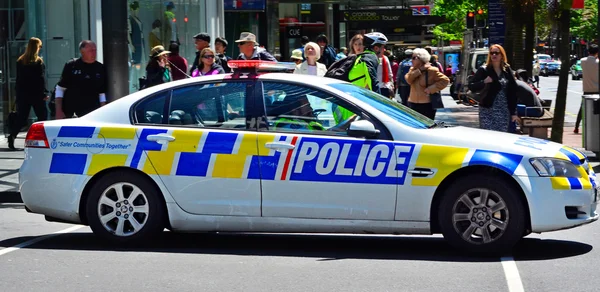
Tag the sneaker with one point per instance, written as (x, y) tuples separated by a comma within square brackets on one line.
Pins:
[(576, 131)]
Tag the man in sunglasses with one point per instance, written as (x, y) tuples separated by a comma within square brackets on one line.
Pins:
[(249, 49)]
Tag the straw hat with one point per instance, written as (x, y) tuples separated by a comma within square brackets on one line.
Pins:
[(158, 51)]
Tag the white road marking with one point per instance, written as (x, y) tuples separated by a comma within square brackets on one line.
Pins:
[(38, 239), (513, 279)]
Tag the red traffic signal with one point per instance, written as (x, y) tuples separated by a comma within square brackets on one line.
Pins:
[(470, 14), (480, 11), (470, 19)]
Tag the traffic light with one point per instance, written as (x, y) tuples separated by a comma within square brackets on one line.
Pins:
[(480, 11), (470, 19)]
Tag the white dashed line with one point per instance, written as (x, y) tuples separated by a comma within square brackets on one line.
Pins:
[(513, 279), (38, 239)]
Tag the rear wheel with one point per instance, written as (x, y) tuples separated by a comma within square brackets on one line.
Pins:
[(125, 207), (482, 214)]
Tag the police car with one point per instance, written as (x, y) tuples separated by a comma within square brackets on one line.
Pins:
[(283, 152)]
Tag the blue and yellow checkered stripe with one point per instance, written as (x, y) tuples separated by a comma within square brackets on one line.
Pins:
[(585, 182)]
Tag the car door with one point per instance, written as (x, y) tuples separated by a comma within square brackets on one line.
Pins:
[(311, 168), (200, 146)]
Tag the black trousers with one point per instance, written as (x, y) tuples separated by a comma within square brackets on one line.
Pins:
[(23, 108), (423, 108), (404, 92), (578, 121)]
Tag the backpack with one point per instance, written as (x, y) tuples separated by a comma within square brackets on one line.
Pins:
[(340, 69)]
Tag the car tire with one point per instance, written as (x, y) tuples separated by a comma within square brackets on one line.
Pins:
[(492, 227), (131, 215)]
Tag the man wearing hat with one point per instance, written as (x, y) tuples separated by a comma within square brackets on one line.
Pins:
[(202, 41), (220, 47), (403, 86), (296, 57), (249, 49)]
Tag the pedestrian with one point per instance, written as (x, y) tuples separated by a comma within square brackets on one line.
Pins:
[(296, 57), (220, 48), (356, 44), (498, 108), (158, 70), (82, 86), (327, 51), (424, 79), (303, 41), (249, 49), (30, 88), (364, 71), (208, 65), (403, 69), (434, 59), (342, 54), (589, 70), (312, 52), (201, 41), (395, 65), (178, 63), (536, 73), (384, 74)]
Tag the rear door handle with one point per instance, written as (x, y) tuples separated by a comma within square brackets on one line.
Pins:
[(161, 138), (279, 145)]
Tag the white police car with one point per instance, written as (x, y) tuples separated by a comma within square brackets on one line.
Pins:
[(292, 153)]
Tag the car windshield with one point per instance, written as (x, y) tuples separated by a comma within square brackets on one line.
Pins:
[(387, 106)]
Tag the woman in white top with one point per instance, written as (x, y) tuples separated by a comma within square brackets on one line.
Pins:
[(312, 53)]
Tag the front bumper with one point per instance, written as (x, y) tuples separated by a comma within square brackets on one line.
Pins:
[(555, 208)]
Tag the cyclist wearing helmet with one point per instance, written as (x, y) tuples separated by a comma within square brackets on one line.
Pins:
[(364, 71)]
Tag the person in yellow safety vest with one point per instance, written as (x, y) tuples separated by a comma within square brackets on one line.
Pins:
[(364, 71), (293, 119), (340, 114)]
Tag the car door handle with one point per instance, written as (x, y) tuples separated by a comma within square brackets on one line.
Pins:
[(279, 145), (160, 138), (421, 172)]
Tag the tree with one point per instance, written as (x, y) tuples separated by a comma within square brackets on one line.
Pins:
[(455, 12), (560, 10), (584, 21)]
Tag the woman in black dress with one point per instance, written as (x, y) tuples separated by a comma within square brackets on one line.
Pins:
[(30, 88), (499, 107)]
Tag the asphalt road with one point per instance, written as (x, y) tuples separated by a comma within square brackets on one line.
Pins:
[(548, 88), (76, 261)]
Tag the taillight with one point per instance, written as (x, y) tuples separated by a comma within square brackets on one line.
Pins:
[(36, 136)]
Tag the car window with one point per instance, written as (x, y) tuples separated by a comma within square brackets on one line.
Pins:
[(296, 108), (387, 106), (215, 105), (481, 59), (150, 110)]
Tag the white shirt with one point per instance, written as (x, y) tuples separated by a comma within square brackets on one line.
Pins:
[(589, 69), (312, 70)]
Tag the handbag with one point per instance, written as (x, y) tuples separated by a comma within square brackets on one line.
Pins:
[(482, 94), (435, 98)]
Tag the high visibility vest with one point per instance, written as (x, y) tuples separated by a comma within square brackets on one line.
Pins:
[(289, 123), (360, 73), (340, 114)]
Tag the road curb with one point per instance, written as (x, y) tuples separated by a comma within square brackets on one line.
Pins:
[(10, 197)]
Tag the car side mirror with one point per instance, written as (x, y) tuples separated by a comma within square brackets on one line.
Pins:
[(363, 128)]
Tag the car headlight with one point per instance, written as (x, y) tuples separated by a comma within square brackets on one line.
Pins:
[(554, 167)]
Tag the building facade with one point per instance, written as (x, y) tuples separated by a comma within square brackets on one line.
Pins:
[(124, 31)]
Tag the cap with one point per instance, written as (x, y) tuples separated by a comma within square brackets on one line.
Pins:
[(297, 55), (408, 52), (158, 51), (202, 36), (246, 37), (221, 40)]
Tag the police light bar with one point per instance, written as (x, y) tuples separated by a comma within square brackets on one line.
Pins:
[(258, 65)]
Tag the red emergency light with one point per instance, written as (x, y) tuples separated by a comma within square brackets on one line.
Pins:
[(253, 67)]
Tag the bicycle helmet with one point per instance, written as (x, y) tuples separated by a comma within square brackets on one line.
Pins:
[(374, 38)]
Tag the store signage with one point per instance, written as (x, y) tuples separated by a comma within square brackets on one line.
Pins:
[(578, 4), (421, 10), (496, 22), (376, 15), (294, 32), (456, 42), (245, 5)]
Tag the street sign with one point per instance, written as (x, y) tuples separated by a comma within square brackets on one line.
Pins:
[(245, 5), (496, 21), (421, 10)]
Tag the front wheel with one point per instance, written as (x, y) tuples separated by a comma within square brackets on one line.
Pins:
[(124, 207), (482, 214)]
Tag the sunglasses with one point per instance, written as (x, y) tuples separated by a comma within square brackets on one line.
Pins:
[(415, 58), (208, 56), (495, 53)]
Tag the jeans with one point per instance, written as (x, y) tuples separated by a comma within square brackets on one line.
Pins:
[(404, 92)]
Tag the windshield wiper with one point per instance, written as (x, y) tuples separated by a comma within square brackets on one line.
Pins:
[(437, 124)]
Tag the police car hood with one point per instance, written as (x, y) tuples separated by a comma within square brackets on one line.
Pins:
[(525, 146)]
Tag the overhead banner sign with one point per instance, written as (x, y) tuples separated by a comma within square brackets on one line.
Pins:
[(245, 5), (421, 10), (496, 22), (376, 15)]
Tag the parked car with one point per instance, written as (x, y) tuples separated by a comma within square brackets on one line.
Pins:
[(576, 72)]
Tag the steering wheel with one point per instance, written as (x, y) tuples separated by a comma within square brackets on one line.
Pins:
[(343, 126)]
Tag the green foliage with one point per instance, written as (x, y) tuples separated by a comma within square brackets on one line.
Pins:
[(584, 21), (455, 12)]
